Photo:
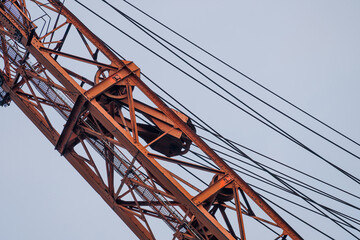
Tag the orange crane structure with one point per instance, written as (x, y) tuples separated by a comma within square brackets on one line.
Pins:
[(103, 126)]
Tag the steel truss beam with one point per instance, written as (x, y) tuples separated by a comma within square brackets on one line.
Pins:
[(163, 193)]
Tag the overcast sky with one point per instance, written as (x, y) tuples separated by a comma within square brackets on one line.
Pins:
[(306, 51)]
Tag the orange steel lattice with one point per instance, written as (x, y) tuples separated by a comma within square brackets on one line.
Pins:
[(103, 114)]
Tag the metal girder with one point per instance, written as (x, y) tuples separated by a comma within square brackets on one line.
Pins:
[(70, 124), (212, 189), (83, 169), (127, 74), (121, 135)]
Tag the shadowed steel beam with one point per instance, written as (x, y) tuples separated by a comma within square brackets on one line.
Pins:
[(70, 124)]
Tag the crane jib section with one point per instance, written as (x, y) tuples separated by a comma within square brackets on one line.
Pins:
[(132, 136)]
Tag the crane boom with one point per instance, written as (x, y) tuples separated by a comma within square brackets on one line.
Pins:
[(104, 114)]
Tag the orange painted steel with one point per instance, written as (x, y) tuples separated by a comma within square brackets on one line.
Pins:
[(93, 116)]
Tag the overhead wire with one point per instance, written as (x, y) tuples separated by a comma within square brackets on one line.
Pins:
[(301, 206), (276, 161), (266, 181), (274, 127), (291, 179), (296, 217), (141, 26), (241, 73), (281, 188)]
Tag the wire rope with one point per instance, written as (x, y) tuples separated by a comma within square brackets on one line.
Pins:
[(280, 132), (241, 73)]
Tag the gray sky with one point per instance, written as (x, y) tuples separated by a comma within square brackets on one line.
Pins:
[(307, 51)]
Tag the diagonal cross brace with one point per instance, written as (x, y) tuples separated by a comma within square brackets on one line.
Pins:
[(70, 124)]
